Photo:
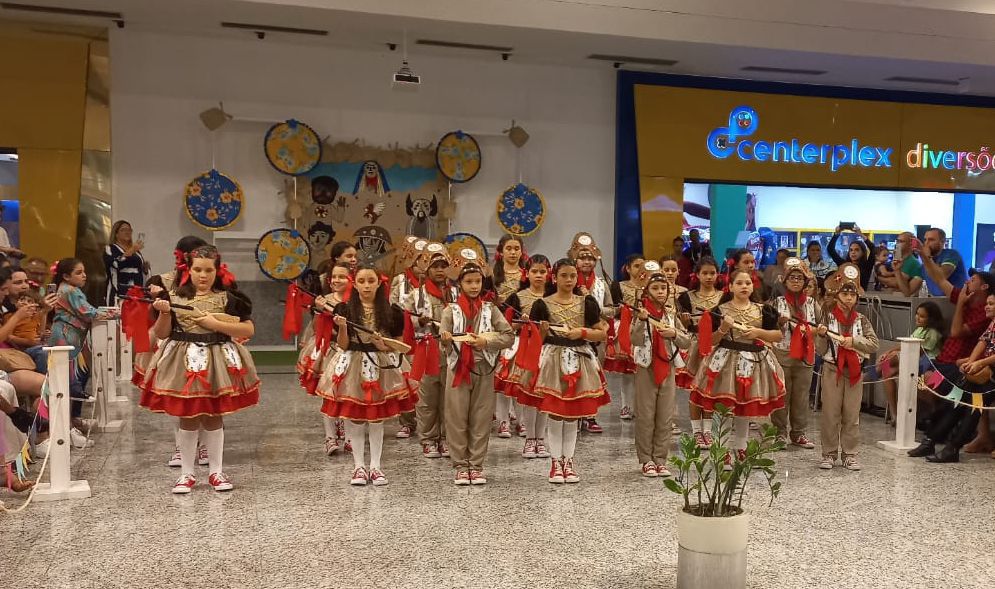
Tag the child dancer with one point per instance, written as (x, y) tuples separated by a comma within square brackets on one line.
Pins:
[(319, 344), (401, 289), (655, 349), (848, 338), (200, 374), (570, 379), (469, 380), (509, 278), (798, 314), (742, 260), (696, 308), (670, 269), (70, 324), (363, 382), (587, 254), (516, 377), (741, 372), (618, 354), (429, 367)]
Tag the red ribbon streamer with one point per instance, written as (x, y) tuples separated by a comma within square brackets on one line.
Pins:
[(624, 337), (426, 358), (705, 334), (135, 320), (529, 348)]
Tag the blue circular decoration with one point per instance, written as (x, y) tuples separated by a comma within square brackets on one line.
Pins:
[(458, 241), (213, 200), (521, 210), (283, 254)]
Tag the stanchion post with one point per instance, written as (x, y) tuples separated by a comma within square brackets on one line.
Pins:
[(125, 360), (908, 391), (104, 381), (61, 485)]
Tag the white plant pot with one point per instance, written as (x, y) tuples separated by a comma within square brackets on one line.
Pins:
[(712, 551)]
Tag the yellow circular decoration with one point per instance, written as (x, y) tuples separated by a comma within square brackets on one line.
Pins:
[(292, 147), (458, 156)]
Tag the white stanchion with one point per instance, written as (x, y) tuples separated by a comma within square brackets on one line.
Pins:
[(908, 391), (61, 485), (104, 380), (125, 359)]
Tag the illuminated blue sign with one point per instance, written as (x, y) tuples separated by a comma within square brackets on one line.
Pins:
[(725, 142)]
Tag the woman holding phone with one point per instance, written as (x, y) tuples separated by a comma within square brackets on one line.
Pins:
[(126, 267), (859, 251)]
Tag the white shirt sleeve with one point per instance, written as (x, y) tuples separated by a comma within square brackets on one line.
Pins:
[(4, 238)]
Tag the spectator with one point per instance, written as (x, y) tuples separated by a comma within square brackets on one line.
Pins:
[(773, 275), (969, 322), (684, 264), (884, 276), (696, 249), (948, 260), (14, 424), (19, 366), (125, 264), (38, 271), (5, 248), (908, 269), (859, 253), (819, 265)]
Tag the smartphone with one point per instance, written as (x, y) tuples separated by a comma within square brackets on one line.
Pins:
[(847, 225), (50, 288), (141, 237)]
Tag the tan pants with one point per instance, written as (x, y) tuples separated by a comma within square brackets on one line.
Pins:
[(430, 410), (408, 419), (654, 411), (797, 382), (840, 419), (469, 411)]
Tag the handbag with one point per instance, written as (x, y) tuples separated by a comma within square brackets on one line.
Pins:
[(12, 360)]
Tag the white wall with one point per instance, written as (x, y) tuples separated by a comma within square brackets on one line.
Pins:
[(159, 84), (815, 208)]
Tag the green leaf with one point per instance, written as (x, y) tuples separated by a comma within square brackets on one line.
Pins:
[(673, 486)]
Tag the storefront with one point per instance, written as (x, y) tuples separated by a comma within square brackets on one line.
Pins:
[(788, 163)]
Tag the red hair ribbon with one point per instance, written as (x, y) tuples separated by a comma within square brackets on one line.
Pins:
[(227, 278)]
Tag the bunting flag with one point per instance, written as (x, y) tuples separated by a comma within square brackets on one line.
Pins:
[(977, 402), (956, 394), (934, 379)]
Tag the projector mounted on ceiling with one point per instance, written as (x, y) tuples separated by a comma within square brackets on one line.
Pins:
[(405, 77)]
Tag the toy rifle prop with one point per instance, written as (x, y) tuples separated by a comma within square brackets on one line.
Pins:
[(554, 327), (656, 322), (225, 317), (395, 345), (833, 335)]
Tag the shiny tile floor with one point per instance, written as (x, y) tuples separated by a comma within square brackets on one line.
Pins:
[(293, 521)]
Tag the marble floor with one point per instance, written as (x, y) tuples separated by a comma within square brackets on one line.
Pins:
[(293, 521)]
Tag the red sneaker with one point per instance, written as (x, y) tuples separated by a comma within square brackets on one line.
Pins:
[(359, 477), (520, 430), (477, 477), (348, 446), (377, 477), (541, 450), (220, 481), (727, 463), (405, 432), (184, 484), (569, 474), (430, 450), (803, 442), (708, 439), (530, 449), (699, 440), (462, 478), (556, 472), (339, 429), (443, 449), (740, 455), (331, 446), (593, 427), (503, 430), (649, 470), (202, 458)]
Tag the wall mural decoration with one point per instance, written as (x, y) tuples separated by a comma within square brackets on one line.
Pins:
[(292, 147), (213, 200), (373, 197)]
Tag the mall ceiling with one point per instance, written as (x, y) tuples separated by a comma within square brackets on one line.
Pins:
[(926, 45)]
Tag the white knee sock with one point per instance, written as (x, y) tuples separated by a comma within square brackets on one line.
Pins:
[(516, 409), (502, 407), (215, 442), (376, 444), (695, 426), (176, 436), (569, 439), (356, 432), (623, 388), (329, 426), (186, 441), (539, 431), (555, 428), (740, 432), (527, 418)]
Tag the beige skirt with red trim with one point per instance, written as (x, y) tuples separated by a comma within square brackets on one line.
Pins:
[(190, 380), (749, 383), (366, 386), (570, 383)]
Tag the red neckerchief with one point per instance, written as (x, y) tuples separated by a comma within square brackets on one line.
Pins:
[(434, 290), (846, 360), (413, 280), (660, 363), (464, 365), (802, 338), (585, 280)]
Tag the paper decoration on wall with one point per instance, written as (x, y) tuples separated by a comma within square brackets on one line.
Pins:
[(423, 212), (213, 200), (458, 156), (521, 210), (456, 242), (516, 134), (283, 254), (361, 199), (292, 147)]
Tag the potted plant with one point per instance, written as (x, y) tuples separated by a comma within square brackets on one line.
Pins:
[(712, 528)]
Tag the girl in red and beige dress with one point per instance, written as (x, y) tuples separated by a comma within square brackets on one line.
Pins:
[(404, 286), (695, 307), (618, 352), (570, 380), (365, 382), (515, 376), (741, 372), (508, 277), (319, 343), (657, 339), (200, 374)]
